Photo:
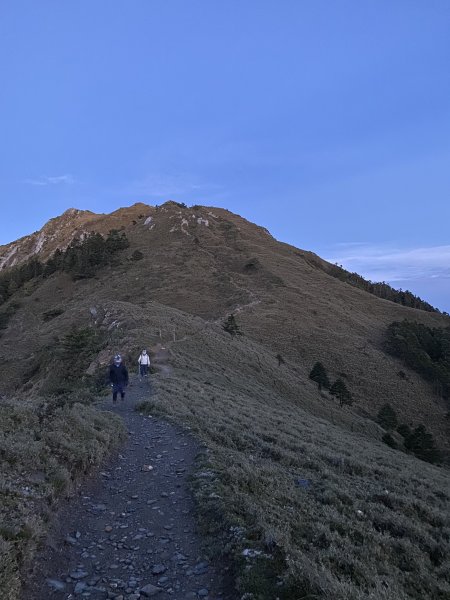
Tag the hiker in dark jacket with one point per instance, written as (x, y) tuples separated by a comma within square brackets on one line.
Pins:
[(118, 377)]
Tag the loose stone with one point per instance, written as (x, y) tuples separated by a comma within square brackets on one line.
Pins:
[(78, 574), (150, 590), (159, 569), (79, 588), (56, 585)]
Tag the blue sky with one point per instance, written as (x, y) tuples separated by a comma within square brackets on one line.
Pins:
[(328, 122)]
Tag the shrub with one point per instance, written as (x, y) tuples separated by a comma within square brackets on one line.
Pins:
[(280, 359), (7, 314), (404, 430), (69, 360), (252, 265), (48, 315), (389, 440), (387, 417), (137, 255), (231, 327), (319, 375)]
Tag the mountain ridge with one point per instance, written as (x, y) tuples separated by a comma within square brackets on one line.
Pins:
[(60, 231), (210, 262), (313, 487)]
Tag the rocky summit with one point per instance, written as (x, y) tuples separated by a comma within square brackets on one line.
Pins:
[(318, 403)]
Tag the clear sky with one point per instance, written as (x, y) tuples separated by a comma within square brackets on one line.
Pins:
[(326, 121)]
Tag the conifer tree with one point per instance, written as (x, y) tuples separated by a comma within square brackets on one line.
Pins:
[(404, 430), (319, 375), (387, 417), (389, 440), (231, 327), (116, 240), (280, 359), (339, 389), (422, 444)]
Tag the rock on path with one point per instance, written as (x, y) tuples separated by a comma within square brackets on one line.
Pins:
[(130, 531)]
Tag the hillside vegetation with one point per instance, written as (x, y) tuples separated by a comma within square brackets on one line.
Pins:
[(424, 349), (43, 449), (302, 481), (381, 289)]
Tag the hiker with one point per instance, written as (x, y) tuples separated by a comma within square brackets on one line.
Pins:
[(144, 364), (118, 377)]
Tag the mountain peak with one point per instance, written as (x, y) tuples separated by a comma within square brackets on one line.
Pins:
[(75, 211), (60, 231)]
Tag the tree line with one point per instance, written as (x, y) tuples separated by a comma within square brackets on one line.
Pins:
[(81, 259), (380, 289), (417, 441), (424, 349)]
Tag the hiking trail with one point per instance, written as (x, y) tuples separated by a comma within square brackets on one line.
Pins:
[(130, 532)]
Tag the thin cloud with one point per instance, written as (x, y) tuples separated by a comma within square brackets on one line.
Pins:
[(65, 179), (165, 186), (159, 186), (381, 263)]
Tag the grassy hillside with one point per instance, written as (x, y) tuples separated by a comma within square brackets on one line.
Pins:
[(334, 512), (209, 263), (43, 449)]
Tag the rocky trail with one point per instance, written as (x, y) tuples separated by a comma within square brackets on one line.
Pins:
[(130, 531)]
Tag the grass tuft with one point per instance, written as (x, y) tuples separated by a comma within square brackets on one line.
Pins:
[(42, 452)]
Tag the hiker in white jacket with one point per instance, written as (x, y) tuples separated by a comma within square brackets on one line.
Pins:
[(144, 364)]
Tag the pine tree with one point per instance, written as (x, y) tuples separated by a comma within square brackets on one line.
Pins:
[(422, 444), (387, 417), (280, 359), (231, 327), (404, 430), (339, 389), (115, 241), (389, 440), (319, 375)]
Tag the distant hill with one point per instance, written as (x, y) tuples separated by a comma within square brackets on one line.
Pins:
[(182, 272)]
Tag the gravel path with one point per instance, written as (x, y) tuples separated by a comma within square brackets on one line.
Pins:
[(130, 531)]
